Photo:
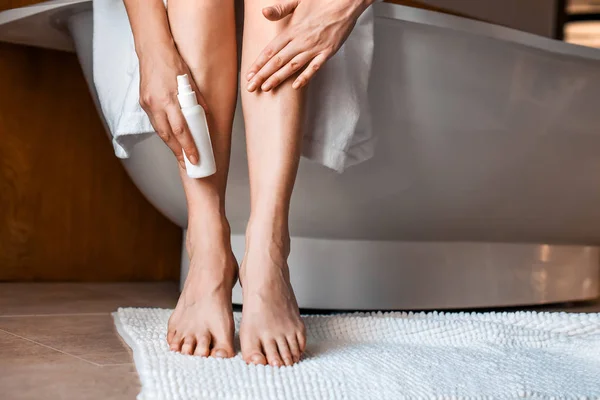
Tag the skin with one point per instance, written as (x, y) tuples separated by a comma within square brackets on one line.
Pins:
[(202, 322), (271, 329), (315, 31), (159, 61), (181, 40)]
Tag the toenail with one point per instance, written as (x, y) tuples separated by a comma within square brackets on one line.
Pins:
[(276, 363), (221, 353), (257, 358)]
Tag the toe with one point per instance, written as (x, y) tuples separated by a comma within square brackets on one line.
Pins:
[(294, 348), (175, 344), (202, 346), (284, 351), (272, 353), (301, 336), (257, 358), (222, 347), (252, 352), (189, 345), (170, 335)]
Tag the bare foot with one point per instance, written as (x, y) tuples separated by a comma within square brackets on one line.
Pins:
[(202, 323), (271, 330)]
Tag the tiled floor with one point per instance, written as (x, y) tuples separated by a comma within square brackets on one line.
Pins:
[(57, 341)]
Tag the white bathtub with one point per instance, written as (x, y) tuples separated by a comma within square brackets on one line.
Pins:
[(484, 189)]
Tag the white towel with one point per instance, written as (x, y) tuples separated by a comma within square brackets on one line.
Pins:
[(387, 356), (338, 126)]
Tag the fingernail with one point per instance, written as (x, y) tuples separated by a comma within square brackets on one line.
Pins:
[(266, 87), (221, 353), (182, 164), (252, 86), (193, 159), (250, 75), (296, 85)]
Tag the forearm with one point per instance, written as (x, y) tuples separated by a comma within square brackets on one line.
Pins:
[(150, 26)]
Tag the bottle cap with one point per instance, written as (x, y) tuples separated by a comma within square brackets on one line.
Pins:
[(186, 96), (183, 80)]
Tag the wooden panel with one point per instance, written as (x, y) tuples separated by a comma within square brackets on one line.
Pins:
[(68, 211), (6, 4)]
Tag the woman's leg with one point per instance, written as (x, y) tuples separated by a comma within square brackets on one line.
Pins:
[(271, 329), (204, 32)]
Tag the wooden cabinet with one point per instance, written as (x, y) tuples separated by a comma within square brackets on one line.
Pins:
[(68, 210)]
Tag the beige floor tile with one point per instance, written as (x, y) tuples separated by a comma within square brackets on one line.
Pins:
[(90, 337), (74, 298), (72, 380), (15, 352), (31, 371)]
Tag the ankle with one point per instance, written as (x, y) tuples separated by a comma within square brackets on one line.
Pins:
[(268, 235), (210, 230)]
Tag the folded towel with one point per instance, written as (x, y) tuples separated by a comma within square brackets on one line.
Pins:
[(387, 356), (337, 129)]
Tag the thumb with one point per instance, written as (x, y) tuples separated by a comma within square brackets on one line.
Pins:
[(279, 11)]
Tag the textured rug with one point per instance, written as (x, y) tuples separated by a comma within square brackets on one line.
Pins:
[(387, 356)]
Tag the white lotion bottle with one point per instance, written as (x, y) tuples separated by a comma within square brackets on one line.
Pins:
[(196, 120)]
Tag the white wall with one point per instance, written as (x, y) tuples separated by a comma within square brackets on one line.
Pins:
[(534, 16)]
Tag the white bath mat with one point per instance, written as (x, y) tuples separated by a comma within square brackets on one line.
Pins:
[(388, 356)]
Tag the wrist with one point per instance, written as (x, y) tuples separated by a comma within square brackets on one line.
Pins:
[(359, 6), (153, 48)]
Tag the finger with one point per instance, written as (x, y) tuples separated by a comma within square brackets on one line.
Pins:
[(276, 62), (268, 52), (310, 71), (278, 11), (161, 125), (288, 70), (182, 134), (202, 102)]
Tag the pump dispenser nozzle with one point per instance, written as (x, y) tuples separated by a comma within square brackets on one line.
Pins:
[(186, 96)]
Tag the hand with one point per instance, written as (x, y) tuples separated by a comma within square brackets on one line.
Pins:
[(158, 97), (316, 31)]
